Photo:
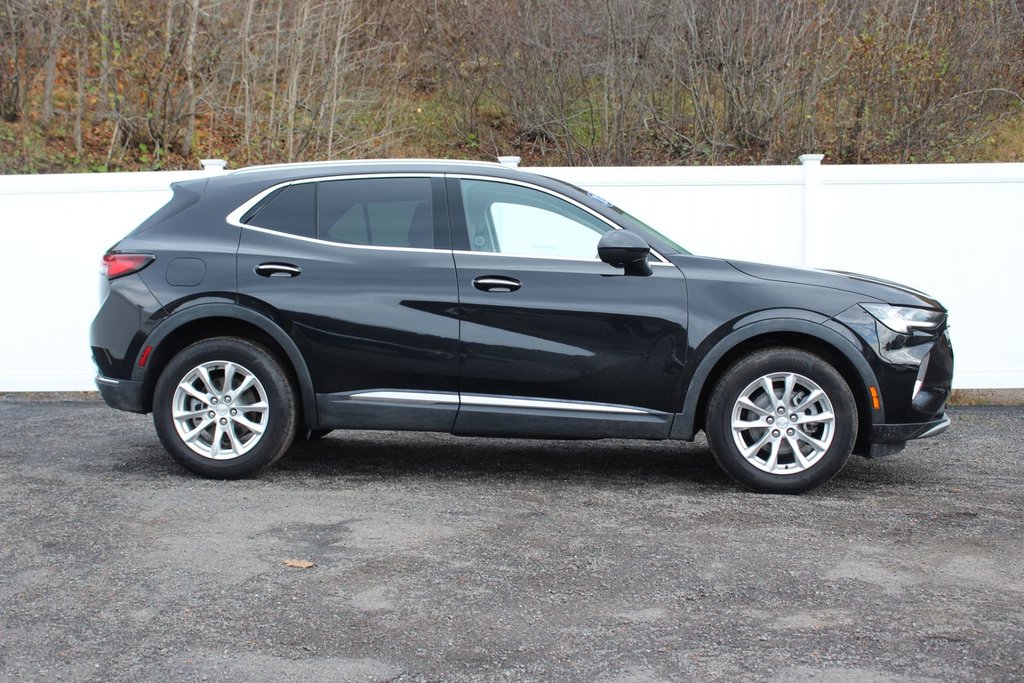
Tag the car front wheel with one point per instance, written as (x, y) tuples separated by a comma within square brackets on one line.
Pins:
[(781, 420), (225, 408)]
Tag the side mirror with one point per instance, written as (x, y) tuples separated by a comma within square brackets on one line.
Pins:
[(627, 250)]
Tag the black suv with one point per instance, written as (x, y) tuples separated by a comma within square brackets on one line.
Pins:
[(276, 303)]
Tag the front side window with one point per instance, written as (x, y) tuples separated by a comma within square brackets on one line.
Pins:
[(383, 212), (511, 219)]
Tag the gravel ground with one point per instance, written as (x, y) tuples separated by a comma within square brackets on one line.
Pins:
[(438, 558)]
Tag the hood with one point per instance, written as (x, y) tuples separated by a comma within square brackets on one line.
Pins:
[(862, 285)]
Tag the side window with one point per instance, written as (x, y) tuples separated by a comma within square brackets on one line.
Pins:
[(288, 210), (384, 212), (511, 219)]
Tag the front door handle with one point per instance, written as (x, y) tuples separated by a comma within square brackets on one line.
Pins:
[(278, 270), (496, 283)]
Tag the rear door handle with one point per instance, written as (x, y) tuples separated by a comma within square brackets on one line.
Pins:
[(496, 283), (278, 270)]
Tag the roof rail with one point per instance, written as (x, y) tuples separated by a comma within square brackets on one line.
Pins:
[(366, 162)]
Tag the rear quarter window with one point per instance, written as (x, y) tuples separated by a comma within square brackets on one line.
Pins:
[(291, 210)]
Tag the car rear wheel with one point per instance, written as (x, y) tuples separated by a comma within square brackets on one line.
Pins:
[(781, 420), (225, 408)]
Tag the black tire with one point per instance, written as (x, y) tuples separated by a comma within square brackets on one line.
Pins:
[(270, 398), (771, 468)]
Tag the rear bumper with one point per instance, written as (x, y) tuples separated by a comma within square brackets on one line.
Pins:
[(887, 439), (122, 394)]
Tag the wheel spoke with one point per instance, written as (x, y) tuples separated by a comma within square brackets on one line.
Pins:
[(243, 387), (194, 393), (787, 392), (769, 388), (818, 446), (803, 419), (753, 407), (773, 459), (191, 435), (809, 399), (236, 444), (260, 407), (190, 414), (229, 376), (751, 451), (743, 425), (248, 424), (798, 455), (215, 446), (204, 375)]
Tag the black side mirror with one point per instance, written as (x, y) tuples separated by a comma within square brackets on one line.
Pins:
[(627, 250)]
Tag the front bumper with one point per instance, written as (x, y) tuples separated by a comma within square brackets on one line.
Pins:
[(887, 439), (122, 394)]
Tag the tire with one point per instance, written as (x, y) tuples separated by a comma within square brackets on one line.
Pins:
[(219, 433), (778, 455)]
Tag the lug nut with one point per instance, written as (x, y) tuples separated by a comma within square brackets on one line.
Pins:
[(234, 412), (793, 418), (212, 414), (770, 420), (790, 432), (781, 410), (223, 420), (775, 433), (227, 399), (213, 400)]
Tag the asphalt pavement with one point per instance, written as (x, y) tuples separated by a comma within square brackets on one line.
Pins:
[(435, 558)]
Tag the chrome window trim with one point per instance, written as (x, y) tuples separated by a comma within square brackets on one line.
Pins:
[(492, 401), (235, 217), (461, 252), (342, 245)]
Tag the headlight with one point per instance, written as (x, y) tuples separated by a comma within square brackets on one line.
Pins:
[(905, 319)]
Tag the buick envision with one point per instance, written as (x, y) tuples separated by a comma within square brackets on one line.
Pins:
[(282, 302)]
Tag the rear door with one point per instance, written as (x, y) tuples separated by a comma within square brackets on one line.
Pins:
[(359, 272)]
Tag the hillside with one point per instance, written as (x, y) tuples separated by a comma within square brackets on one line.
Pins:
[(99, 85)]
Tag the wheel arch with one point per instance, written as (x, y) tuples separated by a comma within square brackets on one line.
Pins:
[(801, 334), (224, 320)]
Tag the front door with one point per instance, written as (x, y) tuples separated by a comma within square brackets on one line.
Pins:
[(553, 341)]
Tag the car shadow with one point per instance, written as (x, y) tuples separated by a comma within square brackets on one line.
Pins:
[(409, 454)]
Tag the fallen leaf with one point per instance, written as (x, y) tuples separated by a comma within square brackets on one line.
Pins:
[(301, 564)]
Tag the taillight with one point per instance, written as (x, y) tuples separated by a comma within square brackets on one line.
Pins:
[(117, 265)]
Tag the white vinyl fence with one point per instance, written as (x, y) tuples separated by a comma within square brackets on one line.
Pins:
[(955, 231)]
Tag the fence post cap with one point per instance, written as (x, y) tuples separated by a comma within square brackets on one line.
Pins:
[(811, 158), (213, 165), (511, 161)]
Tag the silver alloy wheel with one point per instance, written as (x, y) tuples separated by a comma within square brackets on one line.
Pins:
[(783, 423), (220, 410)]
